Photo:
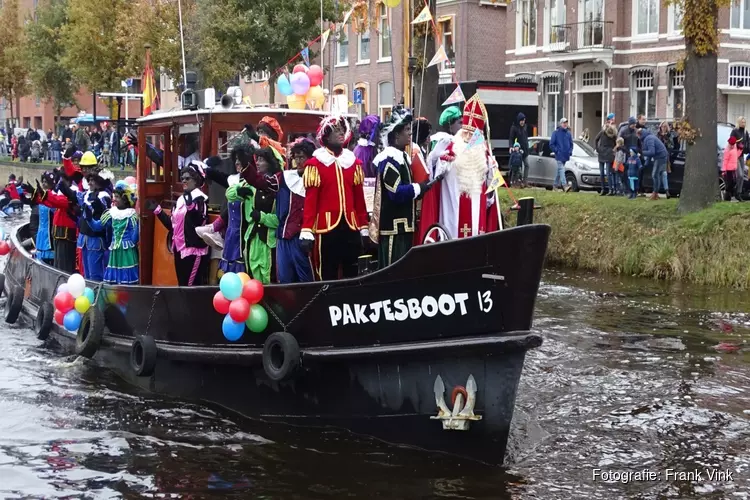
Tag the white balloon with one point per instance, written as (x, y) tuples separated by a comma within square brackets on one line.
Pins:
[(76, 285), (2, 234), (62, 288)]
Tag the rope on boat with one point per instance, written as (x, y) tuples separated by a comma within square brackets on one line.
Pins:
[(151, 313), (301, 311)]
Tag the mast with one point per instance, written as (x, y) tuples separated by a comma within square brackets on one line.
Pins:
[(406, 51)]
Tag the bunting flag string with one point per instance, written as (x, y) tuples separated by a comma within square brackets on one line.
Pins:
[(306, 55), (455, 97), (324, 39), (476, 138), (424, 16), (439, 57)]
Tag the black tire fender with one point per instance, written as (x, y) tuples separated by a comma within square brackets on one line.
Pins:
[(14, 304), (2, 284), (281, 356), (143, 354), (90, 332), (45, 316)]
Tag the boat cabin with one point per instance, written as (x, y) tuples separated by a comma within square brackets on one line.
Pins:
[(190, 134)]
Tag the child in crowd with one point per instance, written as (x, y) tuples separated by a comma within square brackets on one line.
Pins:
[(618, 167), (634, 166), (43, 242), (516, 164), (729, 168)]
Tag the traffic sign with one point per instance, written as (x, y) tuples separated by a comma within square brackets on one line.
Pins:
[(357, 96)]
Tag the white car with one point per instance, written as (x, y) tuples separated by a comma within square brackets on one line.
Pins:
[(581, 171)]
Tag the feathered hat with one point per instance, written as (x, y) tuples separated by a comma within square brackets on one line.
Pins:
[(104, 178), (368, 130), (127, 190), (331, 121), (273, 124), (199, 168), (400, 117)]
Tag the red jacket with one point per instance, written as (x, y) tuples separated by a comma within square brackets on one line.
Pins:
[(12, 191), (333, 191), (61, 202)]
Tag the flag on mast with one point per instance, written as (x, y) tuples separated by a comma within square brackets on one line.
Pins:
[(150, 93), (439, 57), (324, 39), (423, 16)]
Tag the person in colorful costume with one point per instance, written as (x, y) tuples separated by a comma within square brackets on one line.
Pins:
[(260, 220), (270, 133), (397, 192), (189, 212), (450, 122), (43, 241), (468, 168), (428, 207), (367, 146), (121, 225), (292, 262), (335, 209), (93, 243)]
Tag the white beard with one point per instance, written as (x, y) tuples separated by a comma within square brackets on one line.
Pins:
[(470, 165)]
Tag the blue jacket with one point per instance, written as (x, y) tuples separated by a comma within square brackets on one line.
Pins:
[(516, 159), (652, 146), (634, 165), (561, 144)]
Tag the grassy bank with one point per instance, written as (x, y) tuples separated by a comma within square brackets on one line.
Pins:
[(646, 238)]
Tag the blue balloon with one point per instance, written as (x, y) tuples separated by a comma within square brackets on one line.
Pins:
[(72, 320), (285, 87), (230, 286), (232, 330), (89, 293)]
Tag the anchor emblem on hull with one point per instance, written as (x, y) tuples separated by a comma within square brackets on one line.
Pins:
[(463, 400)]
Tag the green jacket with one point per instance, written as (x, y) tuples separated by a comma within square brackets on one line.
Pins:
[(266, 206)]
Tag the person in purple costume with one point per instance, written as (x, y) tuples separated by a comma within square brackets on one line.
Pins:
[(367, 145)]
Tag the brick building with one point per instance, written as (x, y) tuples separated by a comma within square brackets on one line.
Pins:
[(592, 57)]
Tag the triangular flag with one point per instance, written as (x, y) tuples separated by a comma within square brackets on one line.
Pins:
[(324, 39), (439, 57), (423, 16), (455, 97), (306, 55), (346, 16), (476, 138), (496, 182)]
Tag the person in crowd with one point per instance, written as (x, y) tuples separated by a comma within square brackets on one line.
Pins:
[(367, 146), (189, 212), (14, 147), (96, 139), (43, 240), (653, 150), (605, 149), (561, 143), (45, 149), (515, 161), (634, 166), (292, 262), (55, 149), (24, 148), (258, 239), (67, 134), (10, 192), (611, 120), (670, 140), (113, 137), (335, 212), (619, 174), (519, 134), (93, 242), (120, 223), (81, 138), (428, 205), (3, 144), (631, 139), (270, 133), (641, 121), (729, 168)]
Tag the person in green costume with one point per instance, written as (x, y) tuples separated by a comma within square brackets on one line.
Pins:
[(259, 216)]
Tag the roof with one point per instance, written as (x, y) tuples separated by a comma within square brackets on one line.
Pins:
[(160, 115)]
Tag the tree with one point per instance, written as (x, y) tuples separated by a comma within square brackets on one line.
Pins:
[(242, 36), (49, 77), (13, 70), (698, 127)]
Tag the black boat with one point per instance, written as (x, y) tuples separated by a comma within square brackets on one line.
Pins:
[(427, 352)]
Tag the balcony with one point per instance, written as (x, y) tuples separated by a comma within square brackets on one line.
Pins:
[(588, 41)]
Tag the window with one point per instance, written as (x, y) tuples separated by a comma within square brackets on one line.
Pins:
[(166, 82), (261, 76), (740, 15), (644, 95), (555, 21), (647, 17), (385, 99), (677, 96), (592, 16), (38, 101), (553, 102), (384, 38), (592, 79), (340, 99), (739, 75), (675, 19), (363, 51), (445, 25), (526, 23), (342, 49), (524, 78)]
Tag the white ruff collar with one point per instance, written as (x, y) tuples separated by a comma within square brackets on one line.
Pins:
[(390, 152), (233, 179), (294, 182), (118, 214), (195, 194), (345, 160)]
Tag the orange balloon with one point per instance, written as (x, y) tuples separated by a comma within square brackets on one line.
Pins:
[(295, 101), (244, 277)]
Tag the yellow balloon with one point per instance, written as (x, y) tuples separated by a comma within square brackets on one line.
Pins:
[(111, 297), (391, 3), (295, 101), (82, 304), (315, 97), (244, 277)]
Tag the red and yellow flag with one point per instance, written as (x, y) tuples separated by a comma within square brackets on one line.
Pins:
[(150, 93)]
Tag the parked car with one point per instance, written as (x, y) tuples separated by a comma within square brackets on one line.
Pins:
[(581, 171)]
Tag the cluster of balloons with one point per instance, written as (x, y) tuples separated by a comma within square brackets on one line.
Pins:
[(4, 245), (72, 300), (302, 87), (130, 180), (238, 298), (118, 298)]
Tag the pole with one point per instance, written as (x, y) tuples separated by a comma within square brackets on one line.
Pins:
[(127, 105), (322, 64), (182, 45), (525, 211)]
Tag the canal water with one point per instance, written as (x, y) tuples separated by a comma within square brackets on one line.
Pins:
[(633, 376)]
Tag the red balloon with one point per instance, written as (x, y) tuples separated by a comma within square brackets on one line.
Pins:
[(221, 304), (59, 317), (315, 74), (239, 310), (252, 291), (4, 248), (123, 297), (64, 302), (300, 68)]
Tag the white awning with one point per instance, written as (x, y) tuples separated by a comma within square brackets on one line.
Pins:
[(518, 97)]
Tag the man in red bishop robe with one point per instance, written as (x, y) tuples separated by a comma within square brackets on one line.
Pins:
[(468, 168)]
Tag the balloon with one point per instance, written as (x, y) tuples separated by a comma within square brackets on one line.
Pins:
[(239, 310), (244, 277), (72, 320), (231, 329), (221, 304), (62, 288), (252, 291), (76, 285), (4, 248), (231, 286), (130, 180), (64, 302), (2, 234), (295, 101), (82, 304), (59, 317), (315, 73), (392, 3), (285, 88), (299, 68), (315, 97), (123, 297), (300, 83), (111, 297), (258, 320), (89, 293)]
